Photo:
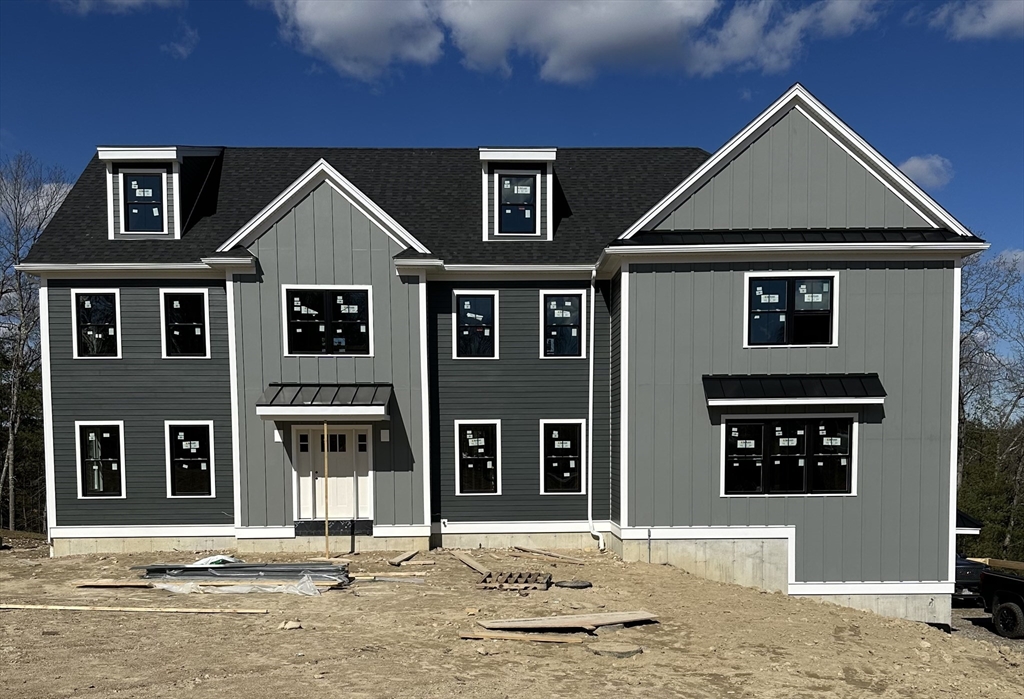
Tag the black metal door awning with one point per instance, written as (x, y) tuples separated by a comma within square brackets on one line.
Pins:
[(794, 389), (323, 401)]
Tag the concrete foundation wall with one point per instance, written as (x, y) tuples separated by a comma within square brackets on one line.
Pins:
[(299, 544), (931, 609), (760, 563)]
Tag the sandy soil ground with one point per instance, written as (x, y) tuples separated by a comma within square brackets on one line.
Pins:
[(401, 640)]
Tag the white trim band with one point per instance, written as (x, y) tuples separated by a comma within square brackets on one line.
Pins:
[(285, 412), (155, 531)]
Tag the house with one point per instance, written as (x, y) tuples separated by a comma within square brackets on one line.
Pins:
[(741, 363)]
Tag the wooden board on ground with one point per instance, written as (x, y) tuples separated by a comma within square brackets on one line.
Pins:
[(388, 574), (551, 554), (332, 559), (515, 581), (999, 563), (397, 560), (160, 610), (204, 582), (569, 621), (471, 562), (418, 563), (511, 636), (539, 557)]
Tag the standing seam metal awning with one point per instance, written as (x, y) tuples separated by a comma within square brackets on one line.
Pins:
[(787, 389), (324, 401)]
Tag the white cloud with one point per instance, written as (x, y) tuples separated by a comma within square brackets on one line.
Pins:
[(928, 171), (84, 7), (980, 19), (187, 41), (571, 40), (362, 39)]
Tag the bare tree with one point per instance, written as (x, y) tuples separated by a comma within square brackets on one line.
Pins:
[(30, 195)]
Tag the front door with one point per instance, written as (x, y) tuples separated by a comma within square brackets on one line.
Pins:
[(348, 480)]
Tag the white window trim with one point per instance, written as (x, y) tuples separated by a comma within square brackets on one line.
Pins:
[(455, 321), (583, 453), (74, 320), (854, 454), (323, 287), (163, 320), (582, 293), (537, 203), (497, 457), (79, 424), (121, 198), (167, 453), (747, 276)]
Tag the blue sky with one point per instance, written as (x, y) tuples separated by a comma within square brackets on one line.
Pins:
[(937, 87)]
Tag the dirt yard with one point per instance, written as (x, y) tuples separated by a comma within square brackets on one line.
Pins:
[(383, 639)]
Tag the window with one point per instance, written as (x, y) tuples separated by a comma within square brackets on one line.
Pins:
[(189, 459), (563, 324), (516, 211), (478, 457), (475, 325), (328, 320), (789, 456), (97, 324), (791, 309), (361, 442), (144, 201), (100, 459), (562, 457), (184, 316)]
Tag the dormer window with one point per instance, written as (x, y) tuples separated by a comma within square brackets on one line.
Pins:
[(517, 203), (518, 193), (144, 201)]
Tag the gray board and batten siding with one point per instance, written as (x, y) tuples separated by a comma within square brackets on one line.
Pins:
[(520, 389), (325, 240), (118, 195), (614, 395), (895, 318), (792, 177), (143, 390)]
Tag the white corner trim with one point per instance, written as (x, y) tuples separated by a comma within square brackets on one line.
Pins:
[(954, 419), (176, 186), (265, 532), (425, 400), (74, 320), (534, 155), (582, 293), (456, 293), (497, 458), (285, 288), (44, 363), (167, 453), (714, 402), (789, 274), (148, 531), (486, 193), (122, 202), (205, 291), (322, 171), (236, 401), (583, 465), (550, 199), (624, 396), (110, 200), (798, 96), (400, 530), (79, 424)]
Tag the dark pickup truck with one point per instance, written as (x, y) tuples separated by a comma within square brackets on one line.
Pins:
[(1004, 600)]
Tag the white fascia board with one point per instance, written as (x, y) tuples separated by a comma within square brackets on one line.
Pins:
[(714, 402), (952, 249), (39, 268), (246, 263), (322, 171), (150, 154), (400, 530), (151, 531), (819, 115), (548, 269), (286, 412), (412, 263), (533, 155)]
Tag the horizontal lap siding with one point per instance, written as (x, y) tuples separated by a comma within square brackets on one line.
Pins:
[(894, 319), (520, 389), (143, 390)]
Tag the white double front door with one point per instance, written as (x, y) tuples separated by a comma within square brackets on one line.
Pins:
[(348, 481)]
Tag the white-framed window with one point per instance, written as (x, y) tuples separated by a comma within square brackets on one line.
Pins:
[(478, 457), (563, 324), (143, 196), (99, 445), (790, 309), (517, 202), (96, 323), (563, 457), (324, 320), (789, 455), (184, 323), (475, 324), (189, 449)]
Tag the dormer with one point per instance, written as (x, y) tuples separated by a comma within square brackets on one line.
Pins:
[(518, 193), (144, 190)]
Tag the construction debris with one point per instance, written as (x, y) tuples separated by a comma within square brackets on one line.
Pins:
[(289, 626), (570, 621), (397, 560), (140, 583), (515, 581), (615, 650), (573, 584), (471, 562), (216, 568), (160, 610), (418, 563), (539, 557), (305, 586), (499, 636), (550, 554)]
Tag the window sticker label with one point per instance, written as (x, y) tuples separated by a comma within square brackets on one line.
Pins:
[(465, 304), (832, 441), (744, 444), (787, 442), (769, 298), (144, 192), (812, 298), (490, 464), (106, 435), (521, 189), (135, 184), (526, 213), (87, 304)]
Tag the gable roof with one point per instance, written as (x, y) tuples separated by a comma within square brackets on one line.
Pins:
[(799, 99), (433, 194)]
